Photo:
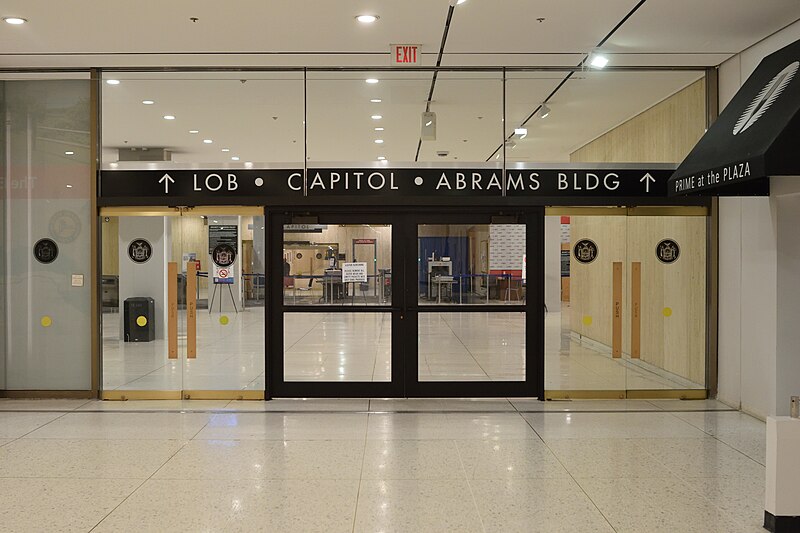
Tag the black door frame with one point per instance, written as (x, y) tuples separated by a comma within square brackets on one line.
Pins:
[(533, 385), (278, 310), (404, 307)]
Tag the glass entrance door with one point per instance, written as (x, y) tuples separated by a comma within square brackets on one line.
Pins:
[(405, 305), (336, 329), (477, 306), (183, 303)]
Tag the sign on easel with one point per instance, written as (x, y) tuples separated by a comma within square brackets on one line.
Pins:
[(223, 275), (354, 272)]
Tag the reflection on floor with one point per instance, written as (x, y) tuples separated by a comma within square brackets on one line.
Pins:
[(230, 355), (574, 365), (64, 466), (472, 346), (357, 347), (337, 347)]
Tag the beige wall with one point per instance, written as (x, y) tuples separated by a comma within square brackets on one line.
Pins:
[(665, 133)]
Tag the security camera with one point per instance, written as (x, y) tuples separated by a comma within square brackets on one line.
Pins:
[(443, 153)]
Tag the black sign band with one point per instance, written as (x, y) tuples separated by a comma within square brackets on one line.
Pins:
[(209, 186)]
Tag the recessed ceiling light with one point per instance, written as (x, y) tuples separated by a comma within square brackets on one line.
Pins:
[(69, 186), (378, 129), (598, 60), (69, 153), (112, 82), (207, 141), (235, 158), (381, 158), (376, 100), (367, 19), (169, 117), (461, 1), (377, 117), (148, 102), (226, 149), (372, 80), (15, 20), (378, 141), (192, 131)]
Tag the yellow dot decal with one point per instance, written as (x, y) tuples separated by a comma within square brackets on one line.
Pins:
[(141, 321), (667, 311), (587, 320), (46, 321), (224, 320)]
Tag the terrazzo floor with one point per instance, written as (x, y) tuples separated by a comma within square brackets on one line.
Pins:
[(380, 465)]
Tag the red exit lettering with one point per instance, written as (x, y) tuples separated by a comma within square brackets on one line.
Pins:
[(406, 54)]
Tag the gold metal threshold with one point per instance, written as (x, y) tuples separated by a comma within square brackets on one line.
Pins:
[(650, 394), (123, 395)]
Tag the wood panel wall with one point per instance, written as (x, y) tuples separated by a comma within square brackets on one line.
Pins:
[(110, 246), (675, 342), (665, 133)]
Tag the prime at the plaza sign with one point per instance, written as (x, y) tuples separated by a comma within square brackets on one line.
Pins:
[(196, 186)]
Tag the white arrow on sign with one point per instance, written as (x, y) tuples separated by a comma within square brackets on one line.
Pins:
[(649, 179), (166, 179)]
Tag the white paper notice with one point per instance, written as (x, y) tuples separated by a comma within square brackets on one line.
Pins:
[(354, 272)]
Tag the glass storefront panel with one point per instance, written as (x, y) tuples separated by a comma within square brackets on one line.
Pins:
[(471, 264), (224, 350), (203, 117), (337, 264), (45, 182), (337, 346), (348, 116), (666, 280), (468, 119), (135, 296), (229, 338), (472, 346), (632, 307), (389, 118), (590, 104)]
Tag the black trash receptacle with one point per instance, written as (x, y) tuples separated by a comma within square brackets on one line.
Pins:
[(139, 319)]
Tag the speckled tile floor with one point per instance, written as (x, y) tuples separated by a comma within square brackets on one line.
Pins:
[(373, 465), (357, 347)]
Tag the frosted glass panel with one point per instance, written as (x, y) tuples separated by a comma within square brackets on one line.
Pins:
[(46, 189)]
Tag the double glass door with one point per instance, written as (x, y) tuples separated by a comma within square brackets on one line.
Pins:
[(396, 305), (183, 299)]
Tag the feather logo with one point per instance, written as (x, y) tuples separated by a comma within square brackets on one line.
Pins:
[(765, 98)]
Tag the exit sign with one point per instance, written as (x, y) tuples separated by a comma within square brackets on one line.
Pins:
[(406, 55)]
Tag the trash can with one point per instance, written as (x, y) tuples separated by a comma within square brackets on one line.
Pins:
[(139, 319)]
